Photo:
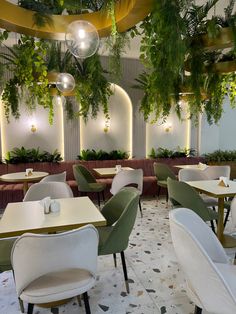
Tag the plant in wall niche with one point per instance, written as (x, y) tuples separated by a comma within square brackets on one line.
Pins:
[(27, 64), (172, 44), (167, 153), (91, 154), (24, 155)]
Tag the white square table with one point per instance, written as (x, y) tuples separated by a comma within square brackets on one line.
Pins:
[(212, 188), (109, 172), (22, 217)]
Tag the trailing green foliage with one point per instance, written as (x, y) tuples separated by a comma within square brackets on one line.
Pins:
[(102, 155), (171, 43), (168, 153), (220, 155), (26, 61), (24, 155)]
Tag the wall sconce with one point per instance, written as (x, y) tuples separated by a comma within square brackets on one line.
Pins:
[(33, 128), (107, 125), (167, 127)]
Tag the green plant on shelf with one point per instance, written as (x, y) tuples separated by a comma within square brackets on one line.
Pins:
[(168, 153), (91, 154), (220, 155), (24, 155)]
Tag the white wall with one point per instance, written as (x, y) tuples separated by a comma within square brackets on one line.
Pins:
[(178, 135), (119, 136), (47, 137)]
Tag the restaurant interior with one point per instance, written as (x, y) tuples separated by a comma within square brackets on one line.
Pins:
[(117, 156)]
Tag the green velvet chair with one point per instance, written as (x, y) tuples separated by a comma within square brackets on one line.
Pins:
[(162, 172), (5, 260), (120, 212), (183, 195), (87, 182)]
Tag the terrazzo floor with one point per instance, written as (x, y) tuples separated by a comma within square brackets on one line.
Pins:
[(156, 281)]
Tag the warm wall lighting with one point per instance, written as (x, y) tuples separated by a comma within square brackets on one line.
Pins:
[(107, 125), (167, 127), (33, 128)]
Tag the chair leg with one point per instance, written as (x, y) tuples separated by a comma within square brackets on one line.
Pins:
[(122, 254), (226, 217), (197, 310), (114, 257), (158, 191), (54, 310), (79, 300), (213, 226), (140, 208), (30, 308), (167, 196), (98, 195), (103, 196), (21, 303), (86, 303)]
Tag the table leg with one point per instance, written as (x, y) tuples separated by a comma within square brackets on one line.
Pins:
[(25, 187), (226, 240)]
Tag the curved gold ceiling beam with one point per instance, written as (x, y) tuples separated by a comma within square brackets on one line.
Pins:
[(128, 13)]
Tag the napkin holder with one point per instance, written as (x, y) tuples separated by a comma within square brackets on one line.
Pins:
[(223, 182), (45, 202), (54, 206)]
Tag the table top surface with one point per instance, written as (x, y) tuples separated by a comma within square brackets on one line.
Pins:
[(212, 187), (105, 172), (22, 177), (22, 217), (196, 166)]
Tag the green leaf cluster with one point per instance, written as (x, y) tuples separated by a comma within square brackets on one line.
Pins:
[(102, 155), (24, 155), (220, 155), (168, 153), (171, 43), (26, 61)]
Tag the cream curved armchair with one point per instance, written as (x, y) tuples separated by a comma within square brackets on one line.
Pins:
[(50, 268), (40, 190), (57, 177), (128, 177), (211, 280)]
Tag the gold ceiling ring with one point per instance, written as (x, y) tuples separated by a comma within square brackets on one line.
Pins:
[(128, 13)]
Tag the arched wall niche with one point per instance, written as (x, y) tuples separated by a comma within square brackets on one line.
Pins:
[(119, 133)]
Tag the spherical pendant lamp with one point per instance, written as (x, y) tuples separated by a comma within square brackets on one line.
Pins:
[(65, 82), (82, 39)]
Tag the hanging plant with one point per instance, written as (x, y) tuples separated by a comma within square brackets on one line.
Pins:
[(171, 40), (26, 61)]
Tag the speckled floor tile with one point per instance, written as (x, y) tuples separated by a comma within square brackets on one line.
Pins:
[(156, 282)]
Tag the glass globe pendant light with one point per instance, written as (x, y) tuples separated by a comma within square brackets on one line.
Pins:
[(82, 39), (65, 82)]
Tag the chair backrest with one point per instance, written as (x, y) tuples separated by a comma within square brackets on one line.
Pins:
[(214, 172), (162, 171), (34, 255), (40, 190), (126, 177), (58, 177), (202, 258), (186, 196), (121, 209), (83, 177), (192, 175)]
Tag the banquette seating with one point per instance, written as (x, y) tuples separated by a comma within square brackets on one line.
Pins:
[(12, 192)]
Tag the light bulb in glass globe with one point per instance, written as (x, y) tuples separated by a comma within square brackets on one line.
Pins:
[(82, 39), (65, 82)]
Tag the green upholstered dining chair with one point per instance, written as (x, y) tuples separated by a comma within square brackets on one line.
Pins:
[(5, 260), (87, 182), (120, 212), (183, 195), (162, 172)]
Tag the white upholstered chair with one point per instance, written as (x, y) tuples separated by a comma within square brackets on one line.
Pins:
[(49, 268), (211, 279), (128, 177), (214, 172), (40, 190), (58, 177)]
